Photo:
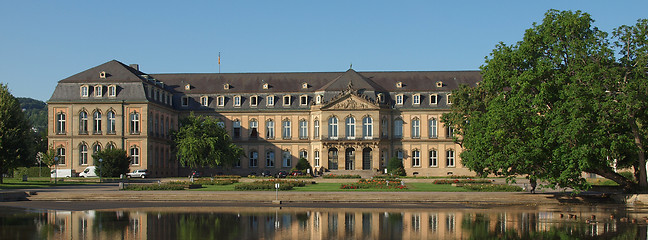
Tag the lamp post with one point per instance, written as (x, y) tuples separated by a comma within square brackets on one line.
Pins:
[(55, 168), (100, 160)]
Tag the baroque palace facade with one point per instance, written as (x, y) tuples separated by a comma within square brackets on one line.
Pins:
[(339, 121)]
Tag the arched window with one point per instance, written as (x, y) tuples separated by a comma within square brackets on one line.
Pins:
[(83, 154), (97, 122), (432, 128), (134, 122), (96, 148), (398, 128), (60, 153), (111, 122), (83, 122), (236, 125), (254, 159), (286, 129), (270, 129), (316, 129), (450, 158), (286, 158), (433, 158), (367, 127), (135, 155), (316, 155), (303, 129), (333, 128), (416, 158), (416, 128), (350, 128), (254, 132), (385, 127), (110, 145), (270, 158), (60, 123)]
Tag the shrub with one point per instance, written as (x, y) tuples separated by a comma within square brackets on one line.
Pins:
[(340, 176), (460, 181), (32, 171), (204, 181), (270, 185), (628, 175), (375, 184), (395, 167), (153, 187), (114, 162), (302, 165), (492, 188)]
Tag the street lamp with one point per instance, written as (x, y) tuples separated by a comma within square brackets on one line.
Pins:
[(100, 160), (56, 158)]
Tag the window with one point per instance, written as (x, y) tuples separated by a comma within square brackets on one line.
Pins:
[(266, 86), (399, 84), (270, 158), (350, 128), (112, 91), (84, 91), (367, 127), (433, 158), (449, 132), (134, 152), (433, 99), (111, 122), (316, 129), (439, 84), (385, 128), (303, 100), (399, 99), (416, 158), (83, 154), (303, 154), (381, 98), (134, 122), (416, 99), (270, 100), (285, 157), (318, 99), (303, 129), (316, 155), (185, 101), (286, 100), (270, 129), (304, 85), (83, 122), (333, 128), (286, 129), (236, 125), (398, 128), (432, 128), (60, 153), (383, 158), (98, 91), (220, 101), (449, 98), (110, 145), (204, 100), (226, 86), (254, 101), (399, 155), (450, 161), (254, 125), (97, 122), (102, 74), (157, 95), (416, 128), (96, 148), (237, 164), (254, 159), (237, 101)]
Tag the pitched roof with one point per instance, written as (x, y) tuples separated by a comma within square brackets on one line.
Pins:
[(115, 71), (351, 78)]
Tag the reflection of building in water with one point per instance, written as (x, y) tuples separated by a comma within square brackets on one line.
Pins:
[(322, 224)]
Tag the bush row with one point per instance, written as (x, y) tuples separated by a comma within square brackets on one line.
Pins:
[(492, 188), (340, 176), (375, 184), (32, 172), (153, 187), (460, 181), (270, 185), (206, 181)]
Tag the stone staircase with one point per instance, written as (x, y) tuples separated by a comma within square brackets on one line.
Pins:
[(362, 173)]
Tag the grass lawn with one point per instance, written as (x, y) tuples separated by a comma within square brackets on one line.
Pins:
[(335, 187), (36, 182)]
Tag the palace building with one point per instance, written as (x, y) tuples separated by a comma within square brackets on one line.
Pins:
[(345, 122)]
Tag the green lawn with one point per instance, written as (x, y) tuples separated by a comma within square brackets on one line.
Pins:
[(36, 182), (335, 187)]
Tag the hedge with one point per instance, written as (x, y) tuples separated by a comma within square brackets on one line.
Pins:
[(270, 185), (32, 171), (340, 176), (153, 187), (493, 188)]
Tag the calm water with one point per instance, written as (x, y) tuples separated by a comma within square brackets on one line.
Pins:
[(566, 222)]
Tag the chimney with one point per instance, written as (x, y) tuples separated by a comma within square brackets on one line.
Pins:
[(134, 66)]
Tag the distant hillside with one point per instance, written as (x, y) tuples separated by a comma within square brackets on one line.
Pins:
[(35, 111)]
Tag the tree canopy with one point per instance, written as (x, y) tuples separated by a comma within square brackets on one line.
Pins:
[(553, 106), (202, 142), (15, 133), (114, 162)]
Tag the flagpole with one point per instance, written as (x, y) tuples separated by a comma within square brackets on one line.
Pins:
[(219, 70)]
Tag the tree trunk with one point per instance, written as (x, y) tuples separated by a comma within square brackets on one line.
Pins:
[(627, 184), (641, 156)]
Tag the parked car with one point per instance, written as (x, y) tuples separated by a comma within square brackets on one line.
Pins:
[(296, 173), (266, 173), (195, 174), (140, 173), (62, 173), (282, 174), (89, 172)]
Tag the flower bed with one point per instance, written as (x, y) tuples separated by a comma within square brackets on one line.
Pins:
[(153, 187), (492, 188), (270, 185), (388, 177), (206, 181), (227, 176), (375, 184), (340, 176), (460, 181)]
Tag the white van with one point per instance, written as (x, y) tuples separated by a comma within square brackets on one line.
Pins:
[(89, 172), (61, 173)]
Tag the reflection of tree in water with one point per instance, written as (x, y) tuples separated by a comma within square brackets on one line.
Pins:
[(24, 226), (111, 223), (391, 226), (208, 226)]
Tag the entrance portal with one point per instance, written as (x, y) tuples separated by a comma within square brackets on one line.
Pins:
[(350, 156), (333, 159), (366, 159)]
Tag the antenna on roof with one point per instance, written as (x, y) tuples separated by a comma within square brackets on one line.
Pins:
[(351, 66)]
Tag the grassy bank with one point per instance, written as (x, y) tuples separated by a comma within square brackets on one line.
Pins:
[(38, 182)]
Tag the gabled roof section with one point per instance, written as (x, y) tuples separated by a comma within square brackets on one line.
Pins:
[(114, 70), (351, 79), (350, 100)]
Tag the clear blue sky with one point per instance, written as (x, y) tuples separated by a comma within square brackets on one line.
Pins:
[(42, 42)]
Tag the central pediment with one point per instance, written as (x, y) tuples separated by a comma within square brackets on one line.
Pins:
[(350, 102)]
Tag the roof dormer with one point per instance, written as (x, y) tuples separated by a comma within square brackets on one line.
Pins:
[(188, 87), (226, 86), (399, 84), (102, 74), (439, 84)]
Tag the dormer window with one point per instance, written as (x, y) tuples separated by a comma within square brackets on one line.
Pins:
[(433, 99), (266, 86), (304, 85), (381, 98), (270, 100), (220, 101), (399, 99), (188, 87), (439, 84), (286, 100), (237, 101), (399, 84), (112, 91), (84, 91), (318, 99), (226, 86), (416, 99), (449, 99), (184, 101), (102, 74), (254, 101), (98, 91), (204, 100), (303, 100)]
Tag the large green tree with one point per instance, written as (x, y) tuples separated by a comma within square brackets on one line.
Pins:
[(547, 107), (111, 162), (15, 133), (202, 142)]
